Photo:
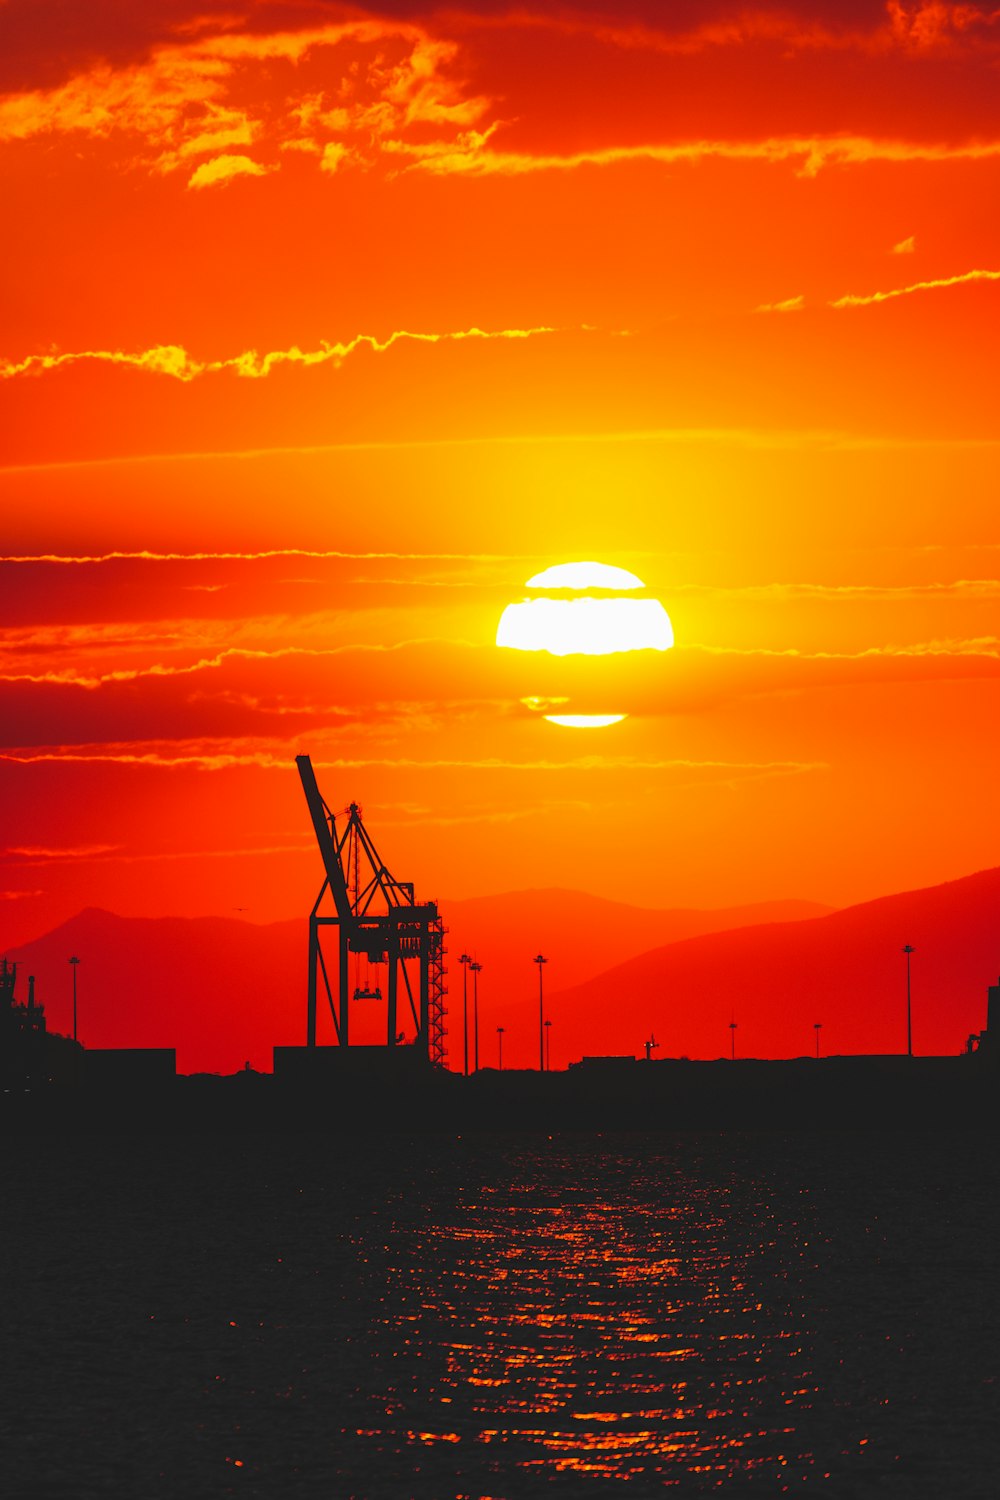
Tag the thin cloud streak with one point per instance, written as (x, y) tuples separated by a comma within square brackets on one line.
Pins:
[(469, 156), (984, 646), (113, 854), (175, 361), (790, 304), (755, 438), (225, 760), (960, 589), (40, 854), (146, 556), (71, 678), (987, 647), (867, 300)]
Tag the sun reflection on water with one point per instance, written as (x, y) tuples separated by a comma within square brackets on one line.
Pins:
[(568, 1330)]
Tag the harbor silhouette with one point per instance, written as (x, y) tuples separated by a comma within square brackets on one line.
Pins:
[(381, 929)]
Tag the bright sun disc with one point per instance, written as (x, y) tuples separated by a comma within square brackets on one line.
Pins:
[(584, 575), (595, 620), (585, 721)]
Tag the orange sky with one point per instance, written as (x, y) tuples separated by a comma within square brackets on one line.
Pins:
[(324, 328)]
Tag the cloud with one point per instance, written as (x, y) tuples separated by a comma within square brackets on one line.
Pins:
[(219, 759), (116, 854), (294, 89), (928, 26), (966, 277), (107, 557), (962, 590), (39, 854), (756, 439), (905, 247), (790, 304), (984, 647), (73, 677), (226, 128), (375, 89), (222, 169), (175, 361), (935, 26), (811, 154), (133, 756), (335, 153), (366, 695)]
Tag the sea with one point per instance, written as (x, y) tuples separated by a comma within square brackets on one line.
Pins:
[(334, 1315)]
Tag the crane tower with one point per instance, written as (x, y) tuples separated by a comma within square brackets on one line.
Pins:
[(377, 917)]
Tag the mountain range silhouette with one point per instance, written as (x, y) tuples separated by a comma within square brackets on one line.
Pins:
[(224, 991)]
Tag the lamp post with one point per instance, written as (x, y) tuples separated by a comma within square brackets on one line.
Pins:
[(476, 971), (732, 1041), (74, 962), (908, 949), (817, 1027), (548, 1053), (465, 961), (499, 1049), (540, 959)]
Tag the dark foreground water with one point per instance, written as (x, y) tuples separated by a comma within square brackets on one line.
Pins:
[(500, 1316)]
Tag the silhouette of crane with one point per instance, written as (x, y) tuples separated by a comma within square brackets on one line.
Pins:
[(377, 918)]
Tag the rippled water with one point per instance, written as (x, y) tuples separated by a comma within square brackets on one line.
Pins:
[(501, 1316)]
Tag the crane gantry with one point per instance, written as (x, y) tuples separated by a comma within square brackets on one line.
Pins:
[(377, 917)]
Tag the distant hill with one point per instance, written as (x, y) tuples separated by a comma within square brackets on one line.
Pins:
[(220, 990), (845, 970), (579, 935), (224, 991)]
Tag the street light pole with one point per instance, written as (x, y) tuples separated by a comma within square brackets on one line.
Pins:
[(74, 962), (499, 1049), (476, 970), (465, 960), (540, 959), (732, 1041), (548, 1050), (908, 949), (817, 1027)]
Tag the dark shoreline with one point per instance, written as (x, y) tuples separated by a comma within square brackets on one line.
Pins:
[(326, 1090)]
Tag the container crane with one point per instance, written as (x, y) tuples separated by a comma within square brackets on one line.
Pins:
[(376, 916)]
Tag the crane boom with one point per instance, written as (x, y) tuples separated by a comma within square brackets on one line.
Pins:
[(324, 838)]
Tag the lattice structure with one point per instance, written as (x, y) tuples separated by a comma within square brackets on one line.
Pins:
[(437, 1050), (377, 917)]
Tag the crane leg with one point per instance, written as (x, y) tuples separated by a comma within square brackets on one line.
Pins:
[(343, 991), (313, 967), (393, 987)]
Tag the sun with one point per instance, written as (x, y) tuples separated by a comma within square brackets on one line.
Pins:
[(584, 609)]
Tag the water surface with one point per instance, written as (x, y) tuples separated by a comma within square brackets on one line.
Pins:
[(501, 1316)]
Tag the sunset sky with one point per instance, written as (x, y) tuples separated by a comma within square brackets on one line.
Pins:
[(324, 328)]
